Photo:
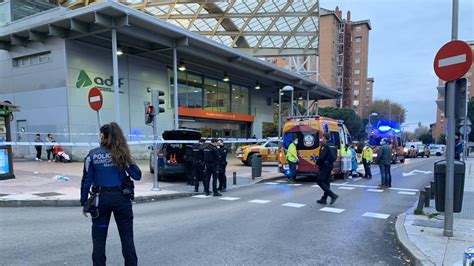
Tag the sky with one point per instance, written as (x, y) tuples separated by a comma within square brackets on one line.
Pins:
[(405, 36)]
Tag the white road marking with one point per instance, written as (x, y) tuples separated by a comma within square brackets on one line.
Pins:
[(375, 190), (229, 198), (362, 186), (282, 181), (406, 193), (260, 201), (376, 215), (357, 179), (294, 205), (272, 183), (294, 185), (202, 196), (453, 60), (347, 188), (339, 184), (333, 210), (314, 186), (404, 189), (94, 99)]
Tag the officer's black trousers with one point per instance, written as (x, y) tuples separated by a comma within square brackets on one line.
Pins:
[(222, 179), (324, 182), (199, 174), (121, 206), (211, 170), (189, 172)]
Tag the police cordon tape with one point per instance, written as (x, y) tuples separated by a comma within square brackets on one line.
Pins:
[(76, 134), (131, 143)]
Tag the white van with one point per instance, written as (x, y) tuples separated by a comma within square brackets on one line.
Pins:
[(438, 149)]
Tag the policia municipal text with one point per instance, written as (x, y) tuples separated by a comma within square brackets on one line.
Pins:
[(108, 170)]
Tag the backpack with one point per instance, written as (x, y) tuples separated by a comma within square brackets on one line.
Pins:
[(332, 155)]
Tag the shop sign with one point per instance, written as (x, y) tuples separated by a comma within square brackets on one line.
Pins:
[(200, 113), (104, 84)]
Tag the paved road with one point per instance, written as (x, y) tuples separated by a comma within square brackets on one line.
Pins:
[(215, 231)]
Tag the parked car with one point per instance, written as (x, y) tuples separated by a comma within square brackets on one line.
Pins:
[(170, 156), (423, 151), (438, 149), (268, 150)]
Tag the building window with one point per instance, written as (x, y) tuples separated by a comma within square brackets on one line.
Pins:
[(357, 61), (240, 99), (356, 71), (359, 28), (356, 103), (356, 82), (358, 39), (368, 88), (356, 93), (32, 59), (357, 50)]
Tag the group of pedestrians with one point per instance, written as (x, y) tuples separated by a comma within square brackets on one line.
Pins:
[(206, 161), (49, 148)]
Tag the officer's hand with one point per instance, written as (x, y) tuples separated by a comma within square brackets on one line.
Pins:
[(84, 213)]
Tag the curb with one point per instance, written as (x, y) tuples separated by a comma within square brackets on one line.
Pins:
[(417, 257), (138, 199), (75, 203)]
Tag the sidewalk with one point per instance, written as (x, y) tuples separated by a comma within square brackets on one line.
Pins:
[(34, 184), (422, 235)]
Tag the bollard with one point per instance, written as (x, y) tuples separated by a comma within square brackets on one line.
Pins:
[(427, 196), (234, 178), (419, 208), (433, 189)]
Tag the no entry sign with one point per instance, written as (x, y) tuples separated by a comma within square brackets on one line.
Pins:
[(95, 99), (453, 60)]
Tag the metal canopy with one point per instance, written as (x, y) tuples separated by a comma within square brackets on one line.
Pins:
[(261, 28), (147, 37)]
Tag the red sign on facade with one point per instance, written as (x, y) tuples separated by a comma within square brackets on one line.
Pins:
[(453, 60), (95, 99)]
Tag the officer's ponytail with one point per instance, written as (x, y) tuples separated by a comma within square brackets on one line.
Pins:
[(114, 141)]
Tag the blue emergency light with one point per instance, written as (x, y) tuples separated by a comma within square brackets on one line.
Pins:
[(396, 130), (384, 128)]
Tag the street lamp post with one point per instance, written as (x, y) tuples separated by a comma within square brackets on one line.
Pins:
[(280, 91), (370, 115)]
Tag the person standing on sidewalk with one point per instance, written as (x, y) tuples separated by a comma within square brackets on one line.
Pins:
[(367, 155), (325, 161), (222, 166), (292, 157), (38, 148), (105, 169), (50, 148), (384, 159), (211, 158), (198, 165)]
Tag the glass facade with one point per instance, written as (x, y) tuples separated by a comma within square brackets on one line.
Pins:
[(198, 91)]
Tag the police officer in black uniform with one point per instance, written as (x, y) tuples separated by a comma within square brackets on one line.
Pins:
[(198, 165), (106, 169), (188, 163), (222, 166), (211, 158)]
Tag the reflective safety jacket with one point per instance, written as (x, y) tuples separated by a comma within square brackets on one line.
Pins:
[(292, 154), (367, 154), (345, 152)]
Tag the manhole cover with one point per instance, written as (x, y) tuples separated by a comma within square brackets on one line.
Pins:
[(48, 194), (432, 224), (3, 195)]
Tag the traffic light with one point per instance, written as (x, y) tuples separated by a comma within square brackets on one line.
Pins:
[(460, 99), (149, 114), (160, 101)]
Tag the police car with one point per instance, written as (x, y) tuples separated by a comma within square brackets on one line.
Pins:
[(268, 150)]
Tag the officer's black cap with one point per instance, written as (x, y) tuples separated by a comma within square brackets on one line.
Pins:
[(213, 140), (202, 141)]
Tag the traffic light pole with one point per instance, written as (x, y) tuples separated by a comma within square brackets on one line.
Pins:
[(156, 111), (451, 126)]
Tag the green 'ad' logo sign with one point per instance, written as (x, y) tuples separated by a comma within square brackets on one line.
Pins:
[(83, 80)]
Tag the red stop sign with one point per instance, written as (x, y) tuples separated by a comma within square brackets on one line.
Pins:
[(453, 60), (95, 99)]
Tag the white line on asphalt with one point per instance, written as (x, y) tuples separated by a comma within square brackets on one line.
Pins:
[(376, 215), (357, 179), (314, 186), (202, 196), (453, 60), (334, 210), (260, 201), (347, 188), (294, 205), (362, 186), (229, 198), (272, 183), (282, 181), (406, 193), (375, 190), (294, 185), (403, 189), (339, 184)]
